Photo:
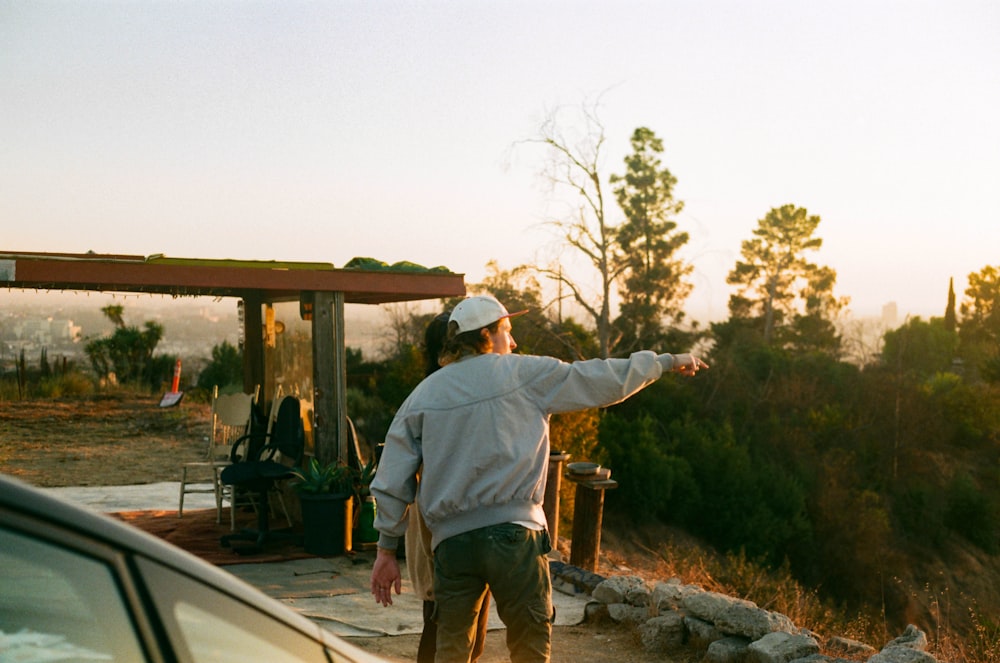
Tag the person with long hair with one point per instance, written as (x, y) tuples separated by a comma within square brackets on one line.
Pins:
[(419, 557)]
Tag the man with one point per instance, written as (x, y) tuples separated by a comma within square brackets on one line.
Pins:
[(480, 428)]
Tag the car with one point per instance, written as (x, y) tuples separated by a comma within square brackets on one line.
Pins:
[(79, 585)]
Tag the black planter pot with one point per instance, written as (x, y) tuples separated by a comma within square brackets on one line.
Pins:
[(326, 523)]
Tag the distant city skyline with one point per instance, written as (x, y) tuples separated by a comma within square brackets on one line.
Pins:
[(367, 326)]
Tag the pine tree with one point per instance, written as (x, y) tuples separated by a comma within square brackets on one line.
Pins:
[(779, 287), (653, 289), (950, 321)]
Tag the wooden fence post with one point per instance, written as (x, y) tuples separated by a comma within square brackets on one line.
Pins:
[(552, 484), (588, 515)]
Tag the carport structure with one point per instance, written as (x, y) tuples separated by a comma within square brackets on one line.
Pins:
[(320, 289)]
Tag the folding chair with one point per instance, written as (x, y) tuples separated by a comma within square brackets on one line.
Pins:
[(231, 419)]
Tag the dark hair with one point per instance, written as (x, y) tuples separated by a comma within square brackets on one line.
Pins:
[(434, 339)]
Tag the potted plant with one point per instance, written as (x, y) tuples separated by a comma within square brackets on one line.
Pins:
[(366, 518), (325, 493)]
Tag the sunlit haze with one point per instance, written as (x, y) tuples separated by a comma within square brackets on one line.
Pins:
[(321, 131)]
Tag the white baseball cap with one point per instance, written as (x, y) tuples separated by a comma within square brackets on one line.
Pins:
[(480, 311)]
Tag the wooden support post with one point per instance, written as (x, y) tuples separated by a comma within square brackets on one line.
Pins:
[(329, 393), (588, 515), (253, 344), (340, 374), (552, 484)]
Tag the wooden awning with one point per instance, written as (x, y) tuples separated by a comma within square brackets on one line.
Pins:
[(325, 288), (269, 281)]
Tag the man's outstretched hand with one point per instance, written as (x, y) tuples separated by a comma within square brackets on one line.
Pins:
[(688, 364)]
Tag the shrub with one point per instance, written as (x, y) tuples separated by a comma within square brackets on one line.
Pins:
[(920, 513), (67, 384), (653, 482), (225, 369), (971, 513)]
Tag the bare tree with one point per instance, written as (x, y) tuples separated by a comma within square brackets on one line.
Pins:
[(573, 166)]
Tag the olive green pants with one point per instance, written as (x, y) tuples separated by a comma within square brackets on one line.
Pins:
[(509, 561)]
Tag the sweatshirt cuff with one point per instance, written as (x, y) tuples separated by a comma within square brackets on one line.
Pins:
[(667, 361), (388, 542)]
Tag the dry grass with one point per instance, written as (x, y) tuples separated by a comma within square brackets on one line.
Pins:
[(104, 440)]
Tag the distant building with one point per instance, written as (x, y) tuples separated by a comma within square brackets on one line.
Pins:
[(890, 315), (46, 331), (64, 331)]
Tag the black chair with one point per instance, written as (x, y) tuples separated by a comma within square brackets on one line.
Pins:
[(258, 471)]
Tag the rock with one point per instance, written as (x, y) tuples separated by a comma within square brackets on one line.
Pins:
[(907, 648), (902, 655), (708, 605), (663, 633), (670, 595), (638, 596), (781, 647), (735, 616), (595, 611), (730, 649), (848, 647), (701, 633), (623, 613), (745, 618), (623, 589), (912, 638)]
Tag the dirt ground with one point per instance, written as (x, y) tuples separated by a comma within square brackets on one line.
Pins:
[(586, 643), (122, 439)]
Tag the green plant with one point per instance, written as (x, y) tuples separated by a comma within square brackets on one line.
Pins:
[(128, 352), (226, 367), (365, 476), (319, 479)]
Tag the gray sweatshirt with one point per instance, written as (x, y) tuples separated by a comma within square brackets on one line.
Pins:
[(480, 429)]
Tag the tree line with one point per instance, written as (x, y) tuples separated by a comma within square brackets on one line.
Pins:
[(784, 451)]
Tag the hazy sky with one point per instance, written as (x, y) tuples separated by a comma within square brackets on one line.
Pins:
[(327, 130)]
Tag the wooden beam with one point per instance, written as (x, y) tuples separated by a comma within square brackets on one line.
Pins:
[(276, 281)]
